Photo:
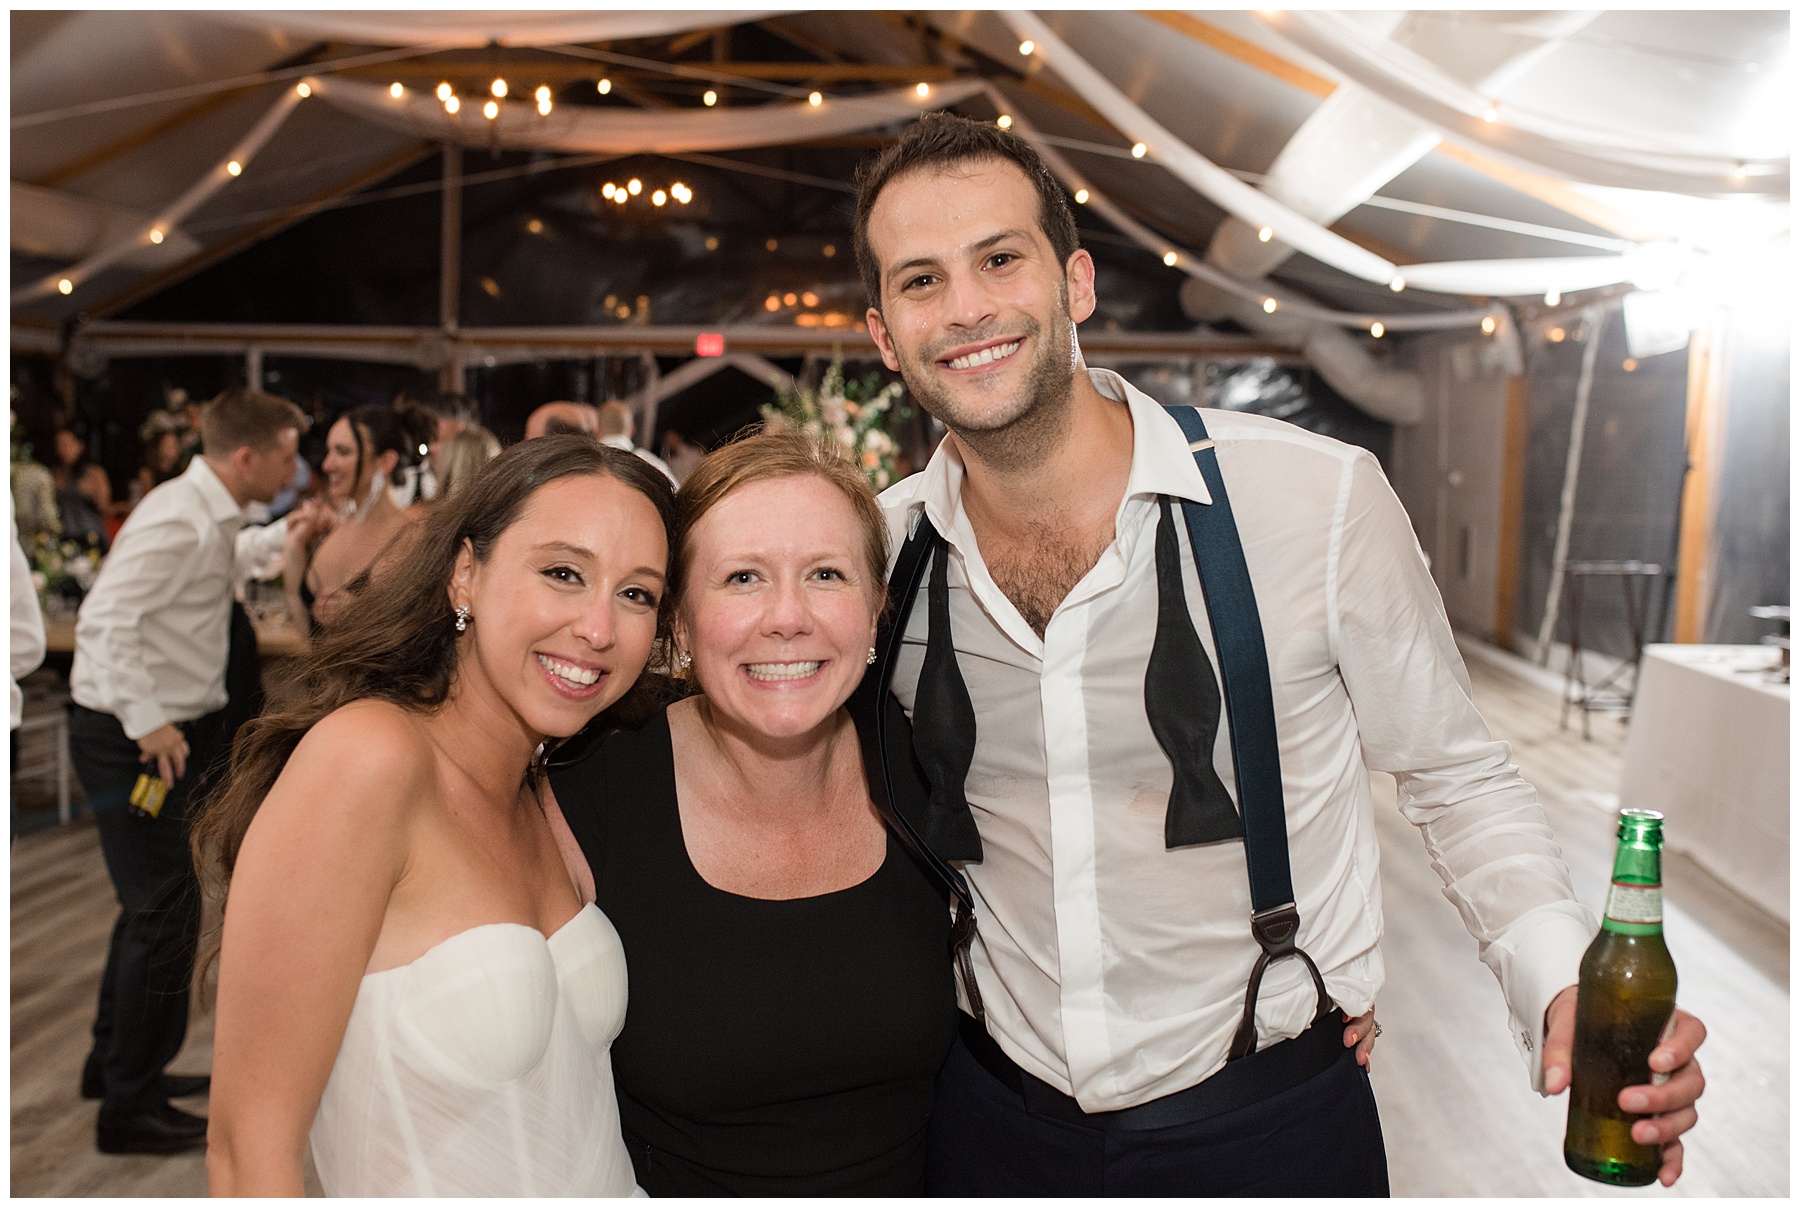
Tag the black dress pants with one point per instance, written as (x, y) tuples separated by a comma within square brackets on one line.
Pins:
[(1321, 1138), (142, 1017)]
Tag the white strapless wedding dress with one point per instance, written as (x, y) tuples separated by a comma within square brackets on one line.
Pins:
[(483, 1069)]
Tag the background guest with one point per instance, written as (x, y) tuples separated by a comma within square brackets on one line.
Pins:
[(149, 685), (617, 426), (555, 418), (160, 435), (454, 412), (83, 491), (463, 454)]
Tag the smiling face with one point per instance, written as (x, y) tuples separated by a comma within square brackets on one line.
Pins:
[(563, 612), (977, 314), (779, 606), (340, 465)]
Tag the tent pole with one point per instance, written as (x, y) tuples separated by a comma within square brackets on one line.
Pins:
[(450, 266)]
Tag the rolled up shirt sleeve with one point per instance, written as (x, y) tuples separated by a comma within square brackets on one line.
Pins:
[(1483, 828), (139, 577)]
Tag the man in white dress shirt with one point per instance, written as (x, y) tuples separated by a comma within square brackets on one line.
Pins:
[(148, 682), (1113, 965)]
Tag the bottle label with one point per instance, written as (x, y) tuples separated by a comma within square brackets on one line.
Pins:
[(1636, 904)]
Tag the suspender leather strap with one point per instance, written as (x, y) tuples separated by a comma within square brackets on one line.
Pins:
[(1250, 710)]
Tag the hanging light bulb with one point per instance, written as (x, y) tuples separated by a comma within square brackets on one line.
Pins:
[(709, 98), (444, 90), (396, 90), (1553, 297), (810, 298), (1004, 121), (815, 99), (1491, 114), (1081, 197), (1027, 46), (491, 110), (1169, 258), (65, 286), (659, 198), (542, 94), (1739, 174), (1629, 365), (1265, 234), (304, 89), (772, 303), (634, 186), (452, 104), (156, 236), (1269, 305), (1138, 150), (235, 168), (603, 87), (1488, 325), (544, 107), (1377, 329), (498, 88), (621, 196), (1397, 283), (923, 89), (608, 189)]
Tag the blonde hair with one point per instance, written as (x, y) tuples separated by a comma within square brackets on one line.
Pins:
[(465, 453), (779, 454)]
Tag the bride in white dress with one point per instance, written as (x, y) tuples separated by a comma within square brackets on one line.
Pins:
[(408, 974)]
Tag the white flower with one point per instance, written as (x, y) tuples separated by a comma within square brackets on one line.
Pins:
[(846, 436)]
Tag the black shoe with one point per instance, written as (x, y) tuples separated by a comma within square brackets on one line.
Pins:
[(158, 1129), (171, 1086)]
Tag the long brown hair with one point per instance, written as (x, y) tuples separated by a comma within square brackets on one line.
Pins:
[(398, 642)]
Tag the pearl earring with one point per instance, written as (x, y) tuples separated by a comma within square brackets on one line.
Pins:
[(684, 660), (871, 656), (462, 618)]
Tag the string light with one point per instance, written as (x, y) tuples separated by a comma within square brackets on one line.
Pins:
[(634, 186), (710, 99), (304, 89), (603, 87), (1027, 46), (444, 90), (789, 299), (1630, 365), (1377, 329), (608, 189), (1137, 150), (810, 298), (1081, 197), (815, 99), (1265, 234), (543, 99), (681, 192), (451, 105), (396, 90), (65, 286), (1004, 121), (1169, 258), (491, 110), (235, 168), (1739, 173), (1269, 305), (659, 198), (535, 226), (712, 243), (544, 108), (1397, 283), (156, 236), (1553, 298), (498, 88), (770, 244), (829, 250), (771, 303), (1556, 335), (1488, 325), (621, 196), (923, 89), (1492, 114)]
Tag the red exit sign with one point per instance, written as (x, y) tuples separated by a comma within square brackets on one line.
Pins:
[(709, 344)]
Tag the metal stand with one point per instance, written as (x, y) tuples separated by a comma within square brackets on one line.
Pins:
[(1609, 695)]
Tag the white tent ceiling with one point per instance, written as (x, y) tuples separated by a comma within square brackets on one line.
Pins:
[(1349, 123)]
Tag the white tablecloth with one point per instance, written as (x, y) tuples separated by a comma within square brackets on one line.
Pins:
[(1708, 747)]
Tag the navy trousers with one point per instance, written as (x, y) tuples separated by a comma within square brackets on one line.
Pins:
[(1321, 1138)]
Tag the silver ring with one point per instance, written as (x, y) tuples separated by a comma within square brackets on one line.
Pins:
[(1377, 1027)]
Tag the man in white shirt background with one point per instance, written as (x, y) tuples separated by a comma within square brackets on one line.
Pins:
[(149, 691), (618, 427), (1112, 965)]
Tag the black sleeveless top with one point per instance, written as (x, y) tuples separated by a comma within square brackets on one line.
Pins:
[(770, 1047)]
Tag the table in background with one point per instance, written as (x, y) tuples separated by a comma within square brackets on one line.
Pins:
[(1708, 748)]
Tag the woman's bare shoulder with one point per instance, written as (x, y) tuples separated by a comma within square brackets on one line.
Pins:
[(366, 755)]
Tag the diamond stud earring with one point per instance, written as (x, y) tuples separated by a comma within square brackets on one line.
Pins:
[(871, 656)]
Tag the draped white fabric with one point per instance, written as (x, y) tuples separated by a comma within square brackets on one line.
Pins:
[(1493, 278), (634, 131), (1568, 149), (170, 215), (483, 27)]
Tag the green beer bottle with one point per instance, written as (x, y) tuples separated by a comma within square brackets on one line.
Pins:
[(1626, 999)]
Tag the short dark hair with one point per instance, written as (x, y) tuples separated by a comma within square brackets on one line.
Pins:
[(447, 404), (942, 140), (242, 417)]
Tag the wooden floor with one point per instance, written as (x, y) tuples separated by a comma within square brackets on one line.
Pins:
[(1458, 1114)]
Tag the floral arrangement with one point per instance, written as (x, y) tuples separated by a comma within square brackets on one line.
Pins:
[(852, 415), (62, 568)]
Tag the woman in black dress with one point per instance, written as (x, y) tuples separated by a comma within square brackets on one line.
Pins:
[(790, 988)]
